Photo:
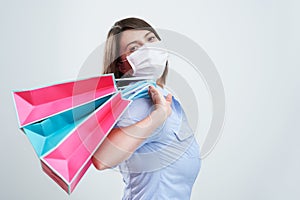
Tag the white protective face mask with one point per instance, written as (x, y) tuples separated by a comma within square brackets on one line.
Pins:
[(149, 60)]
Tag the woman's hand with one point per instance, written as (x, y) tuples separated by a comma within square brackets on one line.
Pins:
[(162, 104)]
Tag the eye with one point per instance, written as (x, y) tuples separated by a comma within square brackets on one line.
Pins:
[(134, 48), (152, 39)]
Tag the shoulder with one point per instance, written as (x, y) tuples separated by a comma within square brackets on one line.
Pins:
[(135, 112), (139, 108)]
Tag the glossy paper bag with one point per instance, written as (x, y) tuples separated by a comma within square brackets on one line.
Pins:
[(67, 122), (40, 103), (69, 160)]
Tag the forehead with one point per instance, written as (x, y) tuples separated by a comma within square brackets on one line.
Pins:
[(132, 35)]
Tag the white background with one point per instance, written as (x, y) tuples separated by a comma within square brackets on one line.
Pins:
[(254, 45)]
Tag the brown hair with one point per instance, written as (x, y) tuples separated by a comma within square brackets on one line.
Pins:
[(112, 45)]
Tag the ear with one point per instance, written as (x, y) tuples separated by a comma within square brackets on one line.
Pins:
[(122, 69)]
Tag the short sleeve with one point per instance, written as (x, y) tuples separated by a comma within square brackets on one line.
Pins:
[(135, 112), (124, 121)]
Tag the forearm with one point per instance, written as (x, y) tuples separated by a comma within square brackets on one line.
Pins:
[(122, 142)]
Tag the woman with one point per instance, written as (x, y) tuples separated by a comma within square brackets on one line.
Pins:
[(152, 143)]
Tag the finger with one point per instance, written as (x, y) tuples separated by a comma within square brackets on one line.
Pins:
[(149, 93), (152, 89), (152, 93), (169, 98)]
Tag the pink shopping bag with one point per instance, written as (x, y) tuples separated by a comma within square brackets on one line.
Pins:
[(67, 122), (68, 162), (40, 103)]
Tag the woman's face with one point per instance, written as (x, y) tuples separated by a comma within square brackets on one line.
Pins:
[(130, 41)]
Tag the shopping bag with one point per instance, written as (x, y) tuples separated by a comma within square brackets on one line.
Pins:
[(68, 161), (44, 135), (36, 104), (67, 122), (137, 90)]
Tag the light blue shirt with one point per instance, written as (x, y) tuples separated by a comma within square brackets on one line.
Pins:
[(167, 163)]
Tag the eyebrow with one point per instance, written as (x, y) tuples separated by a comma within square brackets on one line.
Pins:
[(137, 41)]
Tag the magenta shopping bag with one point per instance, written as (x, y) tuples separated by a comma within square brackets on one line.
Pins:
[(68, 162), (36, 104), (67, 122)]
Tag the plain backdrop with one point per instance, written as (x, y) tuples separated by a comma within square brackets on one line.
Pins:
[(254, 45)]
